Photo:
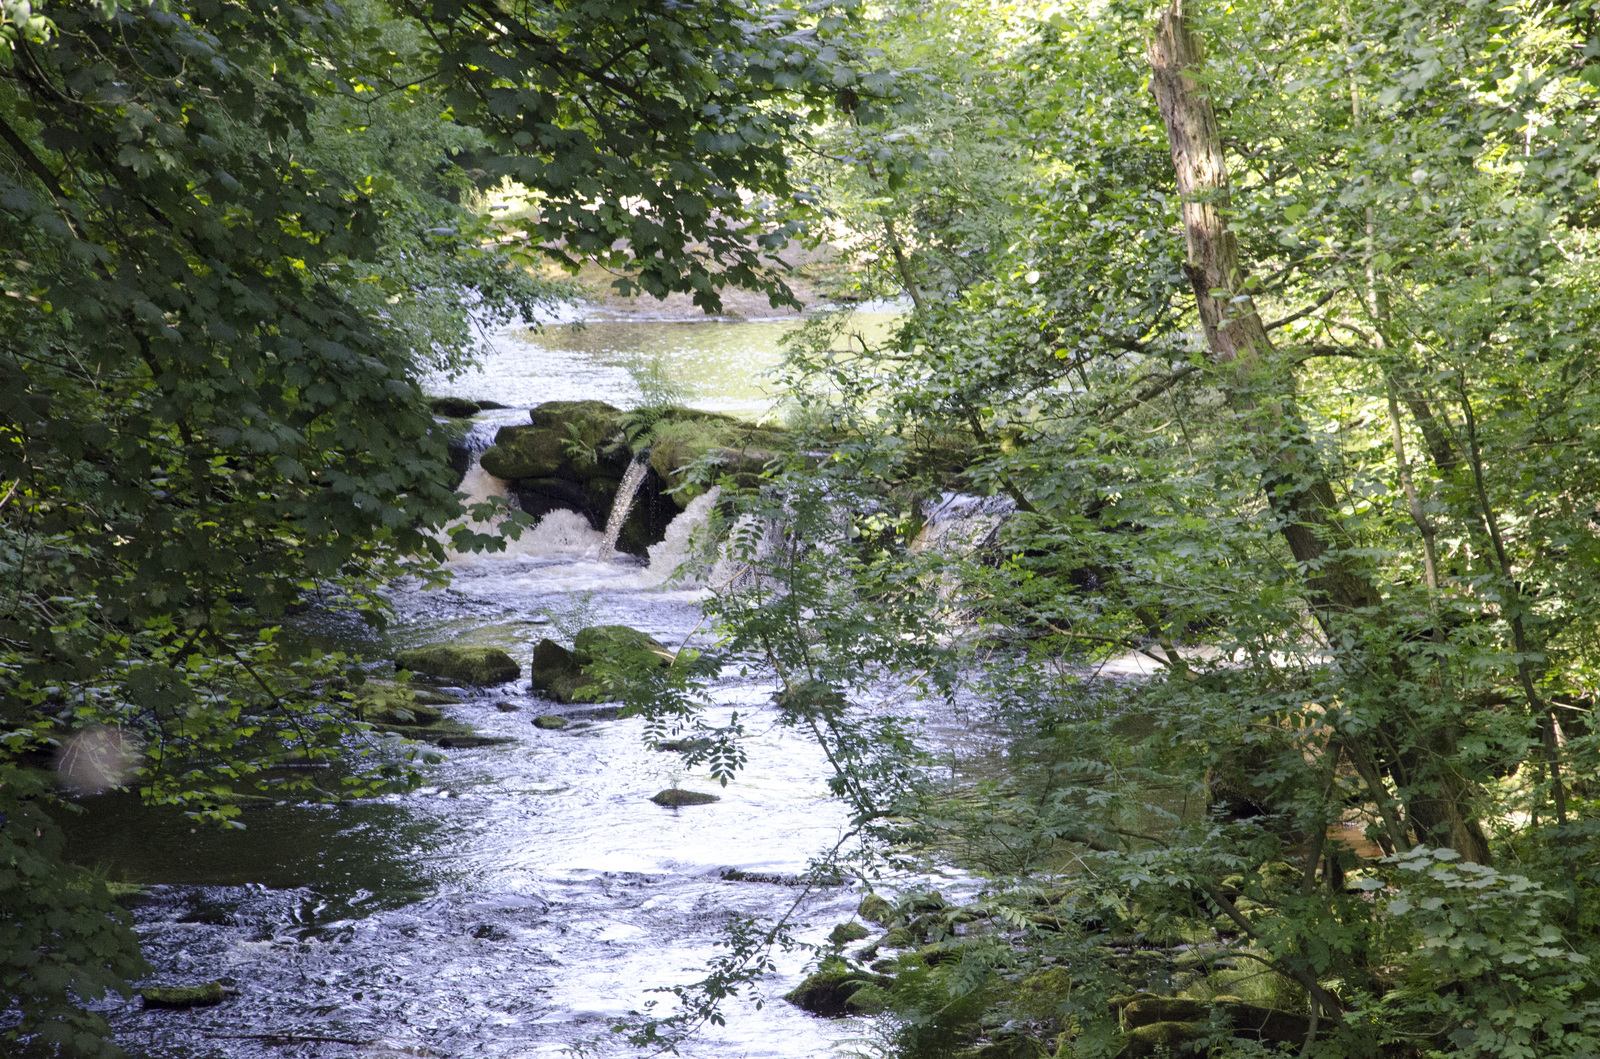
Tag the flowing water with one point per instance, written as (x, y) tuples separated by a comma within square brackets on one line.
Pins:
[(529, 893)]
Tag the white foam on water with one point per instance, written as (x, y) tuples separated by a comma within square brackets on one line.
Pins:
[(686, 549)]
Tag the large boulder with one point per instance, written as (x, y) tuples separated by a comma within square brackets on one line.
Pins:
[(829, 990), (574, 440), (561, 674), (621, 645), (525, 452), (739, 449), (555, 672), (460, 664)]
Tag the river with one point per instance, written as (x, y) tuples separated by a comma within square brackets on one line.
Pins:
[(529, 893)]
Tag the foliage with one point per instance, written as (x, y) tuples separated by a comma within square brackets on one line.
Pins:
[(1362, 563), (233, 251)]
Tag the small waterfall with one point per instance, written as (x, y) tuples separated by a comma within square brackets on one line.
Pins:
[(632, 478), (961, 522), (688, 550)]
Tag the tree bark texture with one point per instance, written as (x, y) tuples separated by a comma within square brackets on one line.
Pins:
[(1261, 391), (1300, 495)]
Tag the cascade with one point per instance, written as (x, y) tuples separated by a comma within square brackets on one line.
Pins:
[(632, 478)]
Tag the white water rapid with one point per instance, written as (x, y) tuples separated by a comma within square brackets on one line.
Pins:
[(528, 894)]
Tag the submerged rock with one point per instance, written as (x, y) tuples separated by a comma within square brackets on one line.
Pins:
[(674, 797), (383, 703), (463, 664), (507, 707), (179, 997), (468, 742), (549, 722)]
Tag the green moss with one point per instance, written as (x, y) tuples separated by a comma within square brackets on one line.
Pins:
[(384, 703), (524, 452), (845, 933), (549, 722), (463, 664), (829, 990), (741, 450), (1170, 1036), (1163, 1009), (898, 938), (619, 644), (675, 797), (183, 996), (875, 909)]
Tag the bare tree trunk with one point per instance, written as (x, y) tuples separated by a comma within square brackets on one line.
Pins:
[(1260, 390), (1299, 494)]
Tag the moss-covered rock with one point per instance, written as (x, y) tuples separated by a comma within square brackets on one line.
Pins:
[(179, 997), (674, 797), (1263, 1023), (525, 452), (897, 938), (463, 664), (549, 722), (810, 698), (845, 933), (827, 992), (875, 909), (385, 703), (739, 449), (1163, 1009), (1172, 1036), (555, 672), (869, 999), (454, 407), (619, 645)]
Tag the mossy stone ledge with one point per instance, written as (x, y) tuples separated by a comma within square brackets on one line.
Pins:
[(180, 997), (674, 797), (460, 664)]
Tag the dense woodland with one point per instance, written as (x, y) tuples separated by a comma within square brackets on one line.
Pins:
[(1268, 327)]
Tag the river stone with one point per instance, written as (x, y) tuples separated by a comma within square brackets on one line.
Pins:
[(619, 644), (454, 407), (1157, 1036), (462, 664), (673, 797), (554, 671), (1264, 1023), (898, 938), (1163, 1009), (549, 722), (394, 704), (507, 707), (179, 997), (525, 452), (828, 990), (845, 933), (875, 909), (684, 746), (684, 437), (468, 742)]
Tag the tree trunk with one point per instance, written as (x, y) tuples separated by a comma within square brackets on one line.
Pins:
[(1260, 391)]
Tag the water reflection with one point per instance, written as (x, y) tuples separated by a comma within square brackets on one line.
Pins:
[(720, 366)]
